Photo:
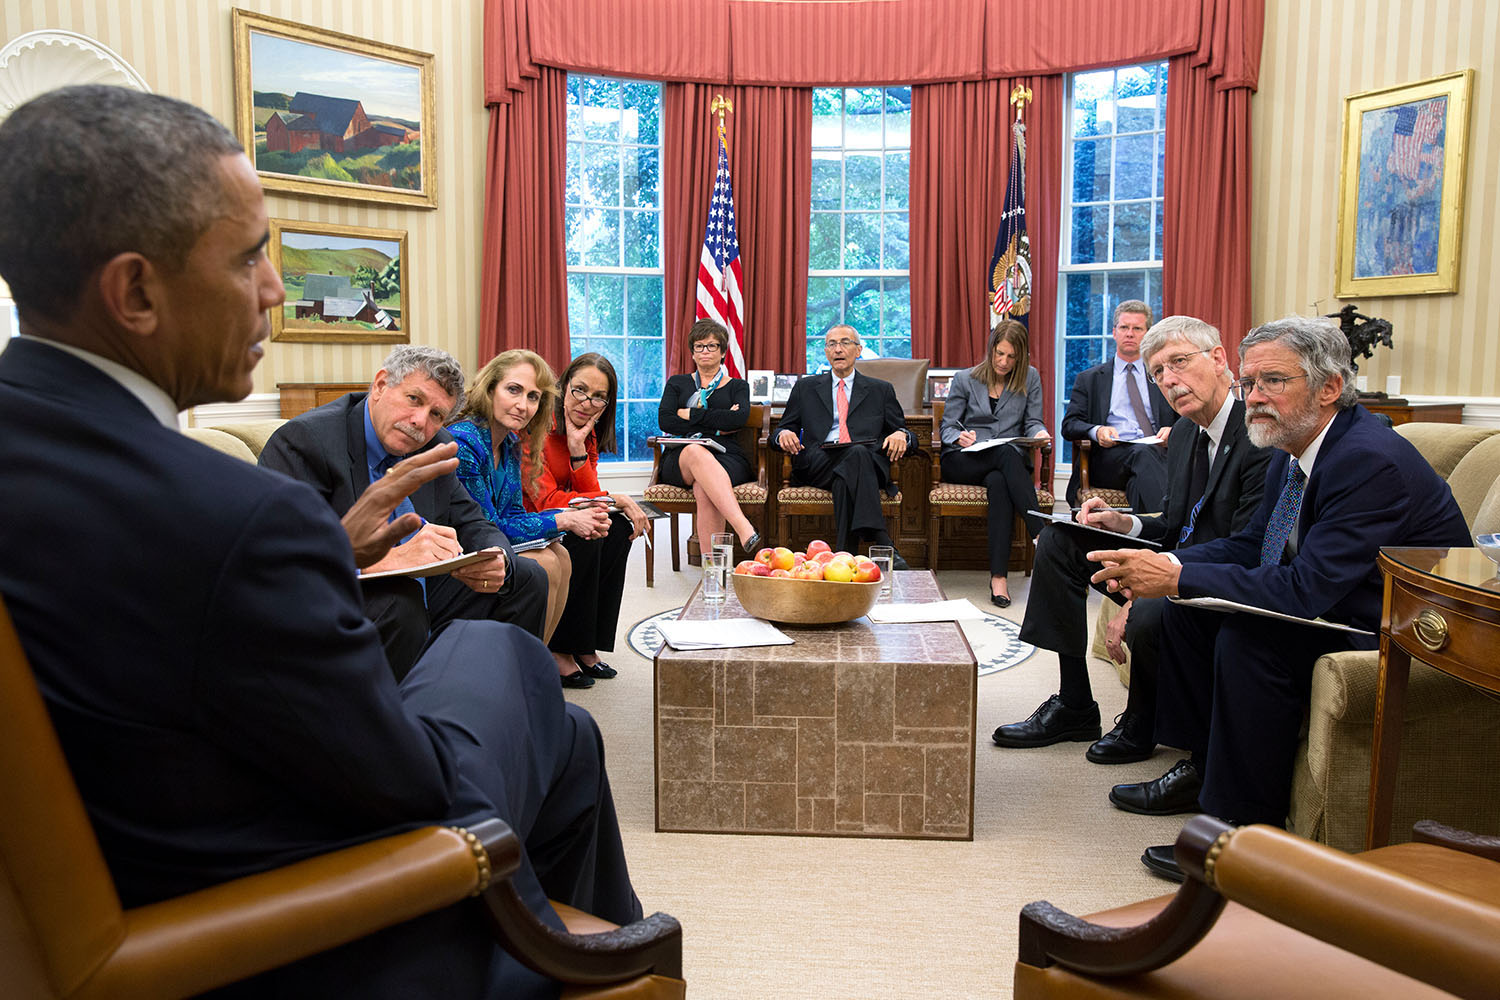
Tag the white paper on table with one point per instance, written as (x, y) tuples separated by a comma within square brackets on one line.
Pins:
[(435, 568), (924, 611), (1153, 439), (1229, 607), (723, 633), (993, 442)]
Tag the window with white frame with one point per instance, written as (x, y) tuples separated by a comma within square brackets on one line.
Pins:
[(1112, 211), (613, 224), (858, 270)]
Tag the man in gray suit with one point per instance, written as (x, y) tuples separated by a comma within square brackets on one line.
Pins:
[(1215, 478)]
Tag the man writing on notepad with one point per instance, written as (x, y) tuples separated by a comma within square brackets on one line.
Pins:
[(861, 422), (1235, 687), (346, 445)]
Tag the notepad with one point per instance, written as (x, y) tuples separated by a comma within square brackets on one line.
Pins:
[(994, 442), (1230, 607), (924, 611), (708, 443), (1098, 537), (724, 633), (434, 568)]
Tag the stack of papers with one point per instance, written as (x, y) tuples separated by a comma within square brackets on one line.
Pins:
[(994, 442), (725, 633), (1229, 607), (924, 611)]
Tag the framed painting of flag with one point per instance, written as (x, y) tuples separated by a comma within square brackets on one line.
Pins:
[(344, 284), (1401, 188)]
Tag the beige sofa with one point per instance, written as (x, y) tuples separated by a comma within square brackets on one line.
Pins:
[(242, 440)]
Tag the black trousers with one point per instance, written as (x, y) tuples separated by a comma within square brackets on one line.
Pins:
[(855, 477), (1138, 469), (592, 613), (1057, 617), (406, 619), (1002, 472), (1234, 689)]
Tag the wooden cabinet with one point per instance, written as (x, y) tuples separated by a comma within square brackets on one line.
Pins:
[(1402, 412), (299, 397)]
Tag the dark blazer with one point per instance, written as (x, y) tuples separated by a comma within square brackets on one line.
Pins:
[(1235, 484), (325, 448), (1344, 522), (874, 414), (1088, 407), (717, 420)]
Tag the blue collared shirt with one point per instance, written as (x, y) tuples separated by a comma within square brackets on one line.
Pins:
[(1121, 416)]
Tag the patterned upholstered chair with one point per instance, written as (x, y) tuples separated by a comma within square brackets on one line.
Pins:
[(810, 501), (1113, 497), (963, 500), (674, 500)]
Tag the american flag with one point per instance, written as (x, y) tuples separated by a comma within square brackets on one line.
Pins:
[(719, 278), (1415, 128)]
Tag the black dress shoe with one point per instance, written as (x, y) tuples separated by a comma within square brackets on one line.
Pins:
[(577, 679), (1052, 723), (1162, 861), (897, 562), (1172, 793), (1131, 740), (600, 671), (1000, 600)]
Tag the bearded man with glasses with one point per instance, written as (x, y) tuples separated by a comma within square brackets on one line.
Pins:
[(1235, 687)]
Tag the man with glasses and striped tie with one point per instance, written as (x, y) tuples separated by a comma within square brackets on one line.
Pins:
[(1234, 687), (1214, 483)]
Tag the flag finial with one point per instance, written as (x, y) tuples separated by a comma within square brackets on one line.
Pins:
[(1020, 97), (720, 106)]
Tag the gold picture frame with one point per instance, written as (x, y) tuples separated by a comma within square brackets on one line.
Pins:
[(345, 284), (373, 141), (1401, 188)]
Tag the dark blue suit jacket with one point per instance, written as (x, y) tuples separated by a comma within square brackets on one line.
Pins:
[(1088, 407), (1368, 488)]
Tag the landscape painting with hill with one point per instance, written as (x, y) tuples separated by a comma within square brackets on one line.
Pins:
[(326, 113), (344, 284)]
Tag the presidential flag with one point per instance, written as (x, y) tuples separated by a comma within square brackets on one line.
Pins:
[(719, 288), (1010, 266)]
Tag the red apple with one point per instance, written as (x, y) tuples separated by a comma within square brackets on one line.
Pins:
[(745, 566), (866, 572), (810, 570), (781, 558), (764, 557), (798, 559), (760, 569), (823, 557), (817, 545), (839, 570), (784, 573)]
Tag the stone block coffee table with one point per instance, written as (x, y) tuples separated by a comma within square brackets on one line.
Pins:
[(855, 730)]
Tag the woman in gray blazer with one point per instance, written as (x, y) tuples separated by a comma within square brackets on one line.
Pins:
[(1001, 397)]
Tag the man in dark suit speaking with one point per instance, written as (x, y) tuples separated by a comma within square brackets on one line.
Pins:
[(1235, 687), (194, 621), (342, 447), (860, 421), (1113, 403), (1215, 477)]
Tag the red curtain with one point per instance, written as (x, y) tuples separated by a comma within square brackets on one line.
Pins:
[(524, 301), (770, 162), (961, 143)]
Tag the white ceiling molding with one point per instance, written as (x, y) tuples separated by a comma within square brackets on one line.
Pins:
[(39, 61)]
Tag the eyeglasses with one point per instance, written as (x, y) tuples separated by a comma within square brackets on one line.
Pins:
[(585, 399), (710, 347), (1177, 364), (1269, 385), (845, 343)]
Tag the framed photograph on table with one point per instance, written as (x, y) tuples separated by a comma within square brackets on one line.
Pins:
[(760, 384), (1401, 188), (781, 387), (937, 386), (344, 284), (336, 115)]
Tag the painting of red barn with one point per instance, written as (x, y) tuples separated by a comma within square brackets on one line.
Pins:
[(344, 284), (326, 113)]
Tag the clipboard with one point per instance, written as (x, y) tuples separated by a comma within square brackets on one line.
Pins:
[(1096, 538)]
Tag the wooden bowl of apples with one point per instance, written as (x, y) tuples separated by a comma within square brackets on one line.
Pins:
[(816, 587)]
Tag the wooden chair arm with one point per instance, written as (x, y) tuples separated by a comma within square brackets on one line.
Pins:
[(1432, 832), (651, 945), (1081, 460), (656, 452), (219, 935)]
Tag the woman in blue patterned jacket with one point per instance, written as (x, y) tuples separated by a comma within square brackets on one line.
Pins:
[(506, 413)]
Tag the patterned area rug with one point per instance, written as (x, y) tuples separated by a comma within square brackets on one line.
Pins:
[(996, 641)]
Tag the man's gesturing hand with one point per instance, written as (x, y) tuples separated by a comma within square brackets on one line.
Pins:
[(370, 532)]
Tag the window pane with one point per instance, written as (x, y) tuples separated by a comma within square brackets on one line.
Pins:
[(641, 421), (1124, 286), (898, 117), (1133, 165), (824, 298), (612, 348), (606, 307), (1133, 231), (1093, 111), (1137, 98), (574, 222), (575, 105), (1090, 234), (862, 118), (861, 241), (896, 318), (601, 174), (642, 122), (601, 117), (640, 166), (1091, 169), (573, 192), (645, 299), (897, 252), (1160, 244), (602, 241), (1085, 298), (827, 180), (823, 242), (641, 242), (1161, 164), (644, 376), (897, 180), (828, 118), (578, 318), (862, 180), (862, 305)]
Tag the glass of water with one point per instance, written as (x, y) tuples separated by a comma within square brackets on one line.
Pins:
[(715, 571), (881, 556), (724, 542)]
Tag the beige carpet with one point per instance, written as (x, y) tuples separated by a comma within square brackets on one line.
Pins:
[(787, 917)]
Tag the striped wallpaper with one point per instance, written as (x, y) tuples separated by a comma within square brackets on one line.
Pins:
[(1316, 53)]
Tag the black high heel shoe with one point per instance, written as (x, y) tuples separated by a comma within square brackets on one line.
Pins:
[(601, 670), (1000, 600), (752, 545)]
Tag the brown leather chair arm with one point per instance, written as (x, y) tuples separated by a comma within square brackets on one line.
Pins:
[(184, 946), (1432, 832)]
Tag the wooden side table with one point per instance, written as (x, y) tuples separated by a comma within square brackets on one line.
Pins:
[(1402, 412), (1442, 606)]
